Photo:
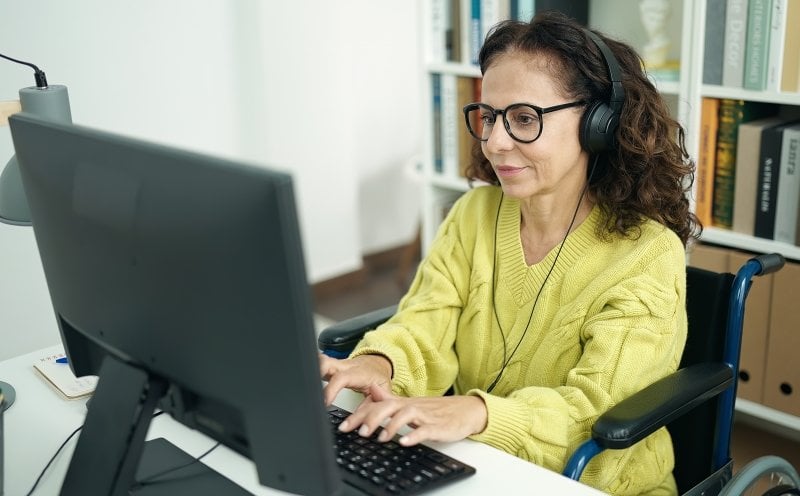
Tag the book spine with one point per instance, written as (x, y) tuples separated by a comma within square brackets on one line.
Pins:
[(453, 32), (788, 199), (777, 33), (436, 116), (790, 72), (747, 160), (768, 182), (735, 37), (466, 94), (704, 188), (725, 168), (449, 123), (756, 47), (475, 30), (438, 30), (524, 10), (713, 46), (490, 14)]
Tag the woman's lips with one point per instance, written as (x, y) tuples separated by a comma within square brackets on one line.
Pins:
[(508, 171)]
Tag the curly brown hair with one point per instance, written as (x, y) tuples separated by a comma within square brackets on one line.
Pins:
[(649, 173)]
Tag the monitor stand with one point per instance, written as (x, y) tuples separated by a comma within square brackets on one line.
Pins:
[(194, 479), (111, 453)]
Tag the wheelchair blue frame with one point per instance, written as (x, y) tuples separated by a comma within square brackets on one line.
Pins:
[(741, 285)]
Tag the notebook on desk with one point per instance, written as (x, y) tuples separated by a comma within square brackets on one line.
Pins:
[(56, 371)]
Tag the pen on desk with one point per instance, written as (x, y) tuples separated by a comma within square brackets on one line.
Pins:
[(62, 360)]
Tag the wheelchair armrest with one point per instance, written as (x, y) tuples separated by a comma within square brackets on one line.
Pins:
[(638, 416), (339, 339)]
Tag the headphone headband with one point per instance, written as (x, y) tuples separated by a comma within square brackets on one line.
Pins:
[(614, 73), (601, 119)]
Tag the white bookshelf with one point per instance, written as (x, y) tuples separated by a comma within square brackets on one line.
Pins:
[(684, 97)]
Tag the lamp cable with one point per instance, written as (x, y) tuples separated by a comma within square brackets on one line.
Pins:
[(38, 74)]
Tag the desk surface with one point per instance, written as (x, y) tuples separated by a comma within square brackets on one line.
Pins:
[(41, 419)]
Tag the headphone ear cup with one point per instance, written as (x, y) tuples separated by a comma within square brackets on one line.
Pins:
[(598, 128)]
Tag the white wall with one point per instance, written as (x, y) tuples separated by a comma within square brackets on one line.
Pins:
[(326, 90)]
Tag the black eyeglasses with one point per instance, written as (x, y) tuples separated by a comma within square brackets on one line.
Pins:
[(522, 121)]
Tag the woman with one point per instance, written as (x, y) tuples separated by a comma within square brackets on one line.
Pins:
[(558, 290)]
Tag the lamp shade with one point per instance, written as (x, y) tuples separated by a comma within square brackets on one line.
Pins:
[(49, 102)]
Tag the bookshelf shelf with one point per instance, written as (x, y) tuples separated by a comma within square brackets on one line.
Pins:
[(733, 239), (452, 183), (780, 98), (455, 69), (781, 423)]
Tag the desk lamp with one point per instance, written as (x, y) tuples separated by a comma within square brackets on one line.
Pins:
[(47, 101)]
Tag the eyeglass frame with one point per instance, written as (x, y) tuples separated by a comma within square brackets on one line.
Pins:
[(495, 112)]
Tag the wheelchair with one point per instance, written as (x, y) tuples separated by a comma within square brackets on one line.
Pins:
[(701, 393)]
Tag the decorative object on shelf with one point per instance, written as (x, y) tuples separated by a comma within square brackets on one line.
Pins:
[(654, 15)]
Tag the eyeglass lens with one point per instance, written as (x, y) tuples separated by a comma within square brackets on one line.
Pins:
[(522, 122)]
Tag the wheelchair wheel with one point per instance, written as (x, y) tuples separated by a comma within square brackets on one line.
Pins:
[(764, 476)]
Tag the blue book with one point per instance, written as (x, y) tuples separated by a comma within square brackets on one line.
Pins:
[(436, 94), (475, 31)]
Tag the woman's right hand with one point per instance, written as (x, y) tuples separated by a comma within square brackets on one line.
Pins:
[(358, 374)]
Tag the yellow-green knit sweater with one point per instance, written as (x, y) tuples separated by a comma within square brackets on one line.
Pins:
[(610, 320)]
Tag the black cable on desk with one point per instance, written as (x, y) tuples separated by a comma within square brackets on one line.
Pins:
[(38, 479), (148, 481)]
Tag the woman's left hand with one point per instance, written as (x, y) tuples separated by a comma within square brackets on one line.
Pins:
[(446, 418)]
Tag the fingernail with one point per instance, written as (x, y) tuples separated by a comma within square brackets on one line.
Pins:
[(403, 440), (383, 436), (363, 431), (344, 425)]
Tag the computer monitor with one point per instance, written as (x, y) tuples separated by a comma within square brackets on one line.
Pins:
[(179, 280)]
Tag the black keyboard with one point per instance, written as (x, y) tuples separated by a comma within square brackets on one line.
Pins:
[(388, 468)]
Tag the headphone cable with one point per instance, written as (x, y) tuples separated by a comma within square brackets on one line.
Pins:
[(539, 293)]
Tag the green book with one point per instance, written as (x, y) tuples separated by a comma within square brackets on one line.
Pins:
[(731, 114), (756, 51)]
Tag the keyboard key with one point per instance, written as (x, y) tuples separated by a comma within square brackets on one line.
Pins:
[(382, 469)]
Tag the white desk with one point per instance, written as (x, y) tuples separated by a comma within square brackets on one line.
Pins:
[(40, 419)]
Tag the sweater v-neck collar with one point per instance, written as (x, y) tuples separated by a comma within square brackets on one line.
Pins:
[(523, 280)]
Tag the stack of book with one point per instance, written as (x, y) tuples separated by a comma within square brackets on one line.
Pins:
[(452, 143), (459, 27), (753, 44), (747, 171)]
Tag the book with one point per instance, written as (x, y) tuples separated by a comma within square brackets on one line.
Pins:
[(768, 181), (746, 180), (449, 122), (788, 198), (734, 46), (714, 42), (490, 15), (438, 20), (790, 69), (731, 114), (777, 33), (522, 10), (475, 30), (58, 374), (453, 31), (757, 44), (704, 189), (466, 87), (436, 119)]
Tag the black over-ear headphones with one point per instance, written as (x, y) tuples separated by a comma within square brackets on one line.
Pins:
[(600, 121)]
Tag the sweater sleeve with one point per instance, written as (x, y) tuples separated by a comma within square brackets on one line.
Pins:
[(631, 335), (419, 338)]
